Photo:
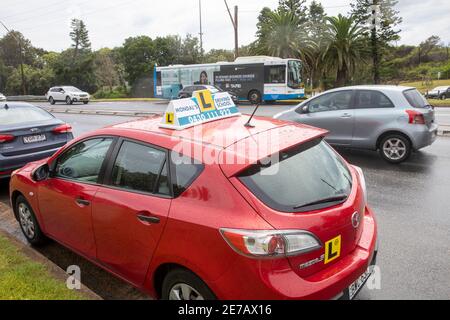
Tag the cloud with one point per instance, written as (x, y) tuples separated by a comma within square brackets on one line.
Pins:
[(110, 22)]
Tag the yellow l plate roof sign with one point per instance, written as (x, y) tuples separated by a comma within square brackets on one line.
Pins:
[(201, 108)]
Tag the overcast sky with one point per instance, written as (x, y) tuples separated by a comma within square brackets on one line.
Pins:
[(47, 22)]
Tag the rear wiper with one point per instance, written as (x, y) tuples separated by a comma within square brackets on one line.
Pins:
[(336, 198)]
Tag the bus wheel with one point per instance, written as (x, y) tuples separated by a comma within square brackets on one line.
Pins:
[(254, 97)]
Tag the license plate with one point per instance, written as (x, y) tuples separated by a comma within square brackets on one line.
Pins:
[(356, 286), (34, 139)]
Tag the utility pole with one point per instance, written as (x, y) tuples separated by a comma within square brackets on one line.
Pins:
[(374, 40), (201, 27), (24, 87), (235, 22)]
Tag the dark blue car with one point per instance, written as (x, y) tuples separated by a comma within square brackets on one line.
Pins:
[(28, 133)]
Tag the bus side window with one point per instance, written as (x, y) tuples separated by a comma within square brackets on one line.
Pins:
[(275, 74)]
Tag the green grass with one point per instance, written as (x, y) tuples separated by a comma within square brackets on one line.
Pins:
[(24, 279), (423, 87)]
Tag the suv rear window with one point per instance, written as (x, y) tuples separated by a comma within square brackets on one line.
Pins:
[(307, 174), (416, 99), (22, 114)]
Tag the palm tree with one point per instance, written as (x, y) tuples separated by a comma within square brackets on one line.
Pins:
[(282, 35), (344, 48)]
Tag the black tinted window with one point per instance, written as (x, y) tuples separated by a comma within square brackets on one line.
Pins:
[(341, 100), (305, 175), (186, 170), (83, 161), (416, 99), (372, 100), (140, 168)]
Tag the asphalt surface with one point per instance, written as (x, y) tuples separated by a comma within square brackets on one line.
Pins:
[(411, 202), (442, 114)]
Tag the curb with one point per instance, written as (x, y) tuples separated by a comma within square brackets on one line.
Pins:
[(53, 269), (103, 112)]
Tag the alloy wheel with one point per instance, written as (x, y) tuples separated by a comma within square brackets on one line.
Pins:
[(182, 291), (394, 149), (26, 221)]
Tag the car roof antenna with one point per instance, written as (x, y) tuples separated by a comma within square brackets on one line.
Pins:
[(248, 124)]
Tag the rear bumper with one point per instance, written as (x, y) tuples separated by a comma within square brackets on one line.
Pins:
[(9, 164), (423, 136), (275, 280)]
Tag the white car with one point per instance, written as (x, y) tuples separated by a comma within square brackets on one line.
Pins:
[(2, 97), (67, 94)]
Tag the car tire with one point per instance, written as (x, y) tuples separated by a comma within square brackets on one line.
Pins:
[(255, 97), (51, 100), (395, 148), (68, 100), (28, 223), (181, 284), (85, 102), (443, 97)]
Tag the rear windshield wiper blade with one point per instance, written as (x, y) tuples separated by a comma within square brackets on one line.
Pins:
[(336, 198)]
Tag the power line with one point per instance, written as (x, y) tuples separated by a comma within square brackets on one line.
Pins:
[(47, 13), (93, 12)]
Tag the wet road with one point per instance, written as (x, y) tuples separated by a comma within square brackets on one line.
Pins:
[(411, 201), (442, 114)]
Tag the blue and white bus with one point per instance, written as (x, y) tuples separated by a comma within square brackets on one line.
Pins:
[(256, 79)]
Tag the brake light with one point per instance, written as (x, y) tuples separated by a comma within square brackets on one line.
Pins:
[(270, 243), (415, 117), (6, 138), (64, 128)]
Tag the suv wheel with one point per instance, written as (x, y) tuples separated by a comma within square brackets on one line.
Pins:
[(181, 284), (51, 100), (68, 100), (395, 148), (443, 97), (28, 223)]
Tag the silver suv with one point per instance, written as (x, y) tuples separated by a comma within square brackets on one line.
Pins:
[(394, 120)]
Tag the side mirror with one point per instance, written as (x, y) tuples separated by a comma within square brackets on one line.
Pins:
[(305, 109), (42, 173)]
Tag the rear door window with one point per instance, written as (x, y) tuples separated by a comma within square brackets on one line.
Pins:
[(141, 168), (305, 175), (416, 99), (23, 114)]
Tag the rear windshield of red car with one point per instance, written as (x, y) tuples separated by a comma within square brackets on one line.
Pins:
[(304, 176), (416, 99)]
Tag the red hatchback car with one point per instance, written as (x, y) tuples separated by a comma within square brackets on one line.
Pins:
[(176, 226)]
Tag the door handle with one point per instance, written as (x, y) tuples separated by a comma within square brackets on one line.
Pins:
[(346, 116), (83, 202), (148, 219)]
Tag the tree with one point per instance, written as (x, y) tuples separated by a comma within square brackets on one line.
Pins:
[(138, 57), (216, 55), (344, 49), (80, 37), (105, 69), (316, 28), (10, 50), (382, 36), (296, 7), (280, 34), (79, 72)]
